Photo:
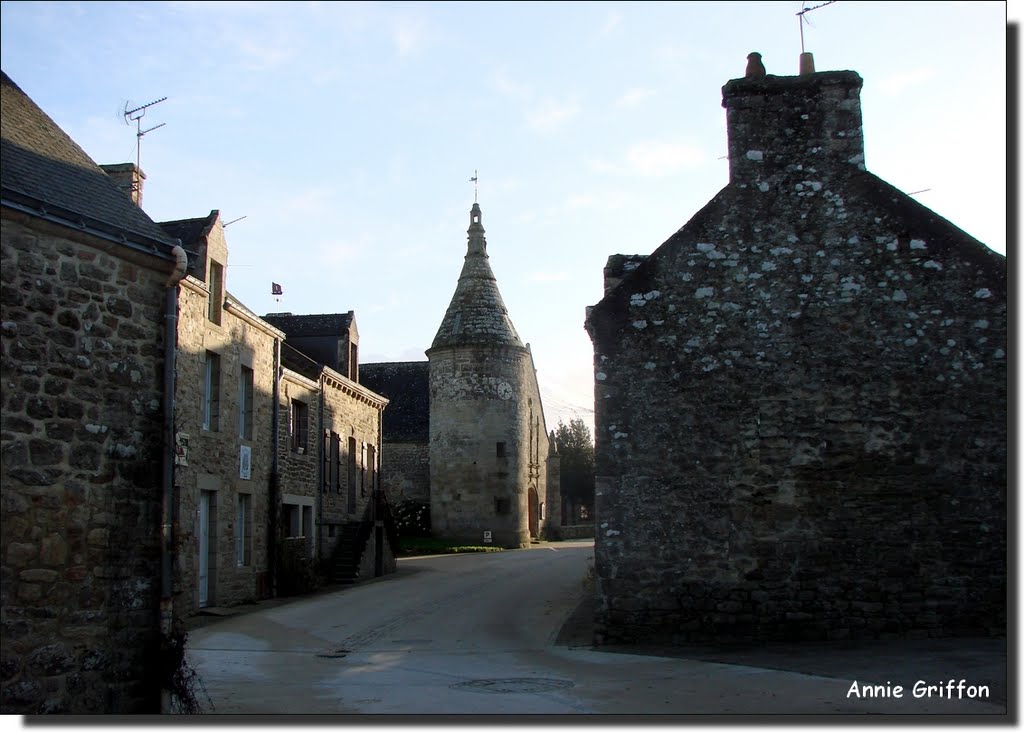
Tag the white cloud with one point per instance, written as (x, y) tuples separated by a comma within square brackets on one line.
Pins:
[(652, 158), (578, 200), (549, 277), (510, 88), (409, 37), (633, 97), (897, 83), (611, 23), (340, 252), (551, 115)]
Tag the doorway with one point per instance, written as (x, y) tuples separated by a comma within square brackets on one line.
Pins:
[(207, 547), (534, 510)]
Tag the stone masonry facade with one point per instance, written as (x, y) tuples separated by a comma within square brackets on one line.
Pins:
[(227, 454), (801, 401), (82, 376), (488, 438)]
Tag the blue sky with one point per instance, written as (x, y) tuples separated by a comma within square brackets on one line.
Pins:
[(346, 135)]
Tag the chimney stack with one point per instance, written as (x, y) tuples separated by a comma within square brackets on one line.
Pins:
[(128, 177), (793, 127)]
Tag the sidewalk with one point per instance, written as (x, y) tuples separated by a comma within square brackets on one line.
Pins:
[(934, 661)]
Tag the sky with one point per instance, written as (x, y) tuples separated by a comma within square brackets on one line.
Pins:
[(339, 139)]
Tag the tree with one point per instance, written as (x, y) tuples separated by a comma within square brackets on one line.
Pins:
[(576, 448)]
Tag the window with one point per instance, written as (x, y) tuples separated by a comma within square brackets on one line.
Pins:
[(352, 474), (335, 472), (243, 530), (245, 385), (353, 362), (502, 505), (292, 520), (331, 462), (362, 473), (298, 422), (216, 283), (211, 392), (501, 449), (371, 466)]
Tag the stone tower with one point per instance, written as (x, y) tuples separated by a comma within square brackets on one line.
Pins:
[(486, 423)]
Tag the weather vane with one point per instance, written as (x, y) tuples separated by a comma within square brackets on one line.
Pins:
[(473, 180)]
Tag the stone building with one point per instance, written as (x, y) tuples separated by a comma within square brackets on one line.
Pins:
[(406, 472), (801, 400), (485, 468), (87, 279), (224, 396), (330, 449), (465, 430)]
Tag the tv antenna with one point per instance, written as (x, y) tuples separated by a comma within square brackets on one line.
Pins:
[(136, 115), (803, 20)]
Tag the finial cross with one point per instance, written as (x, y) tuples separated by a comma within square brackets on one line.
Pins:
[(473, 180)]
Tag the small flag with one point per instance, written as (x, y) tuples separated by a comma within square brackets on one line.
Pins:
[(275, 289)]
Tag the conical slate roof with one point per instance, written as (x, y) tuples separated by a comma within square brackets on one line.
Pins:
[(477, 314)]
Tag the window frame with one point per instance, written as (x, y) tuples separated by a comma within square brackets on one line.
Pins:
[(298, 426), (246, 392), (211, 392)]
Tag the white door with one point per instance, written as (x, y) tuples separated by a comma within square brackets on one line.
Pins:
[(204, 547)]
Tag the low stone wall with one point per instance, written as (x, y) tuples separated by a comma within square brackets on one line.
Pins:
[(579, 531)]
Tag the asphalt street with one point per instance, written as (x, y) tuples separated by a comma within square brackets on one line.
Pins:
[(508, 634)]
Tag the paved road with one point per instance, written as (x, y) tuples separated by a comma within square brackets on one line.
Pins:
[(475, 634)]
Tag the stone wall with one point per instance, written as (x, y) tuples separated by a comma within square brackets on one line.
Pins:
[(212, 460), (351, 414), (801, 402), (473, 489), (298, 472), (406, 471), (82, 382)]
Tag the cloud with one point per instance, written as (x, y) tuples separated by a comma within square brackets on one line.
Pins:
[(897, 83), (409, 37), (548, 277), (610, 24), (578, 200), (510, 88), (551, 115), (633, 97), (652, 158)]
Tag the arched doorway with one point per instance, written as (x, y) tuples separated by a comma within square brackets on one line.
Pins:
[(534, 513)]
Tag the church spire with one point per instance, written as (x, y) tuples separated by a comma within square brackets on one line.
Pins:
[(477, 314)]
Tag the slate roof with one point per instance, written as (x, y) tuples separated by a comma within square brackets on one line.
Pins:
[(294, 359), (476, 315), (189, 231), (407, 385), (44, 173), (298, 326)]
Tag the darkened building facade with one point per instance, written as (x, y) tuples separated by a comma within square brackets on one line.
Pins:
[(406, 471), (87, 280), (801, 400)]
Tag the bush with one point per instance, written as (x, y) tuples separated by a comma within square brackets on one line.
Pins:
[(418, 546), (412, 518)]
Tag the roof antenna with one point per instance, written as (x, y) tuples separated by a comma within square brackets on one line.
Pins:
[(136, 115), (807, 58)]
